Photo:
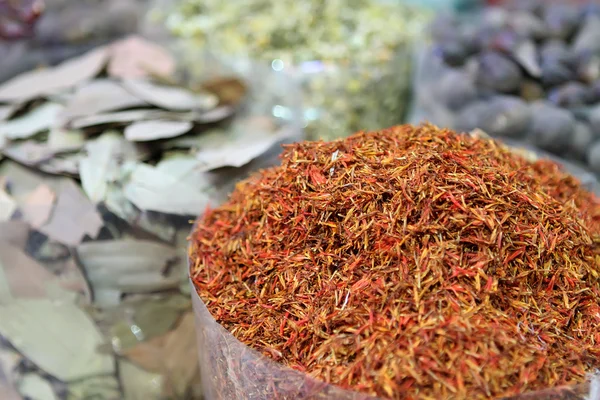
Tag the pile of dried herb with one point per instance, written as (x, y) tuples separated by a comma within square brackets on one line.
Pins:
[(411, 262)]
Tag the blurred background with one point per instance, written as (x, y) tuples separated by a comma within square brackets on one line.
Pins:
[(122, 120)]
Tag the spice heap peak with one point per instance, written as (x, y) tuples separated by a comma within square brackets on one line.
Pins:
[(411, 262)]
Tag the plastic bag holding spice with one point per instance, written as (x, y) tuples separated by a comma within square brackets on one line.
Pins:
[(232, 370)]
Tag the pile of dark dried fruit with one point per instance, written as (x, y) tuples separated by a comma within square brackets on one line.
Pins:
[(529, 71)]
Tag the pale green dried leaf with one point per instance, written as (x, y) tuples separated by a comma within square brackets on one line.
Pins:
[(99, 96), (238, 146), (60, 139), (130, 266), (56, 336), (42, 82), (27, 125), (170, 97), (151, 189), (185, 168), (98, 387), (28, 153), (119, 117), (34, 387), (138, 321), (139, 384), (144, 131)]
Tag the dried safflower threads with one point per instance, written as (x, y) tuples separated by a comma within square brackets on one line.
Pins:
[(411, 262)]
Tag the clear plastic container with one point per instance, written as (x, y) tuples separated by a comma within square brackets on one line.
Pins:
[(231, 370)]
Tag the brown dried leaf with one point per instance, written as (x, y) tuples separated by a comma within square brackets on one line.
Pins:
[(25, 276), (74, 217), (134, 57), (14, 232), (99, 96), (145, 131), (230, 91), (172, 355), (180, 366), (38, 206), (42, 82)]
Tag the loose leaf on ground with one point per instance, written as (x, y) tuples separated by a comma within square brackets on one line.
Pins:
[(42, 82), (134, 57), (74, 217), (38, 206), (144, 131), (34, 387), (37, 120), (64, 348), (99, 96), (150, 189), (129, 266), (170, 97), (139, 384)]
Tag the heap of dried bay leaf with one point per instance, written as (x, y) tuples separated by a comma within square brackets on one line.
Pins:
[(103, 160)]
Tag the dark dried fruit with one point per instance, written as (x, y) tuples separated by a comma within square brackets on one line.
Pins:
[(555, 73), (571, 94), (456, 89), (561, 20), (498, 72), (593, 157), (552, 127), (581, 140)]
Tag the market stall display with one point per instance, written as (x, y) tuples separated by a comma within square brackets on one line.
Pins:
[(407, 262)]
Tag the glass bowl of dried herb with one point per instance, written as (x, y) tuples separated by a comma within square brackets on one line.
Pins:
[(411, 262), (352, 59)]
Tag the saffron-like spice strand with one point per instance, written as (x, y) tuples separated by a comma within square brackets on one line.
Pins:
[(411, 262)]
